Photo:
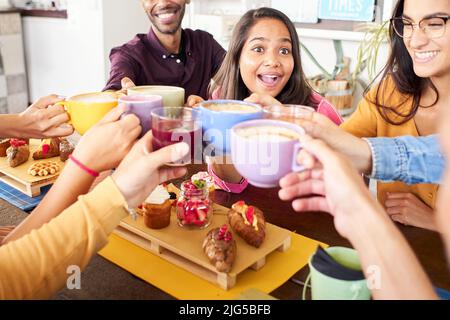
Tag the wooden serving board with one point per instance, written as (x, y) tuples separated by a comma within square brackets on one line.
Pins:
[(19, 178), (183, 247)]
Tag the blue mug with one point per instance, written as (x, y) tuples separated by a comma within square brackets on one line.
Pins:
[(219, 116)]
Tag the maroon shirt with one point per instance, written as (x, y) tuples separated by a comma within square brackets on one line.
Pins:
[(146, 62)]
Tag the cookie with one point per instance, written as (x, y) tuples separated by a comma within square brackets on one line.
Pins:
[(43, 169)]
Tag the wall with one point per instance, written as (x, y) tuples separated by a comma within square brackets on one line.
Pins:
[(13, 82), (69, 56), (122, 20)]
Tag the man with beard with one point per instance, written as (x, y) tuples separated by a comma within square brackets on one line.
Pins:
[(168, 54)]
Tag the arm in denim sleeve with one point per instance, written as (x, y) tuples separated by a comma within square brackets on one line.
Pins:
[(408, 159)]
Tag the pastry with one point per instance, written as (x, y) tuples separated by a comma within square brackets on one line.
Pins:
[(49, 148), (17, 153), (65, 149), (157, 208), (43, 169), (220, 248), (248, 222), (4, 144)]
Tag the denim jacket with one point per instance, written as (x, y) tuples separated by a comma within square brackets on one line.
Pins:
[(408, 159)]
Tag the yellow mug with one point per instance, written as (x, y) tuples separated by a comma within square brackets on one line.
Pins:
[(86, 110)]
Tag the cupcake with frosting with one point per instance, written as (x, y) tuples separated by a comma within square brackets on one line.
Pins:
[(156, 208)]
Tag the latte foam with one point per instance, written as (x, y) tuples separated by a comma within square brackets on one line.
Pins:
[(231, 108), (268, 133)]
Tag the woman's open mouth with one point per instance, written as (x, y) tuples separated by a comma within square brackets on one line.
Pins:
[(269, 80)]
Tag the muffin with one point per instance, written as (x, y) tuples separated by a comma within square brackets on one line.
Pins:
[(157, 208)]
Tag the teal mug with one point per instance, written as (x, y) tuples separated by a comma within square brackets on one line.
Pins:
[(324, 287)]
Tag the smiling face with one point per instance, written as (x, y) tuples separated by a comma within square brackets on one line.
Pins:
[(165, 15), (266, 62), (431, 57)]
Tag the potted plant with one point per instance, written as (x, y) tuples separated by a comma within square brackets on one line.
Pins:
[(340, 85)]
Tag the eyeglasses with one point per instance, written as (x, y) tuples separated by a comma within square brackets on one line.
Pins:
[(433, 27)]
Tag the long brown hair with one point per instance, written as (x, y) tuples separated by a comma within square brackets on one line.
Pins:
[(228, 78), (400, 69)]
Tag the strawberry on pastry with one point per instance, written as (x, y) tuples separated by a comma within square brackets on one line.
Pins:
[(48, 148), (17, 153)]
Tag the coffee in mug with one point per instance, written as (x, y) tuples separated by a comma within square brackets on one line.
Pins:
[(172, 96)]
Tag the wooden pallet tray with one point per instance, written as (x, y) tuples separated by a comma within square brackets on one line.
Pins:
[(183, 247), (19, 178)]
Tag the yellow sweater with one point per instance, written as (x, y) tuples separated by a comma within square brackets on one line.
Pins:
[(35, 266), (367, 122)]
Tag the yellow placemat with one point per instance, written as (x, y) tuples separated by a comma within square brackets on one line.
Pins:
[(279, 268)]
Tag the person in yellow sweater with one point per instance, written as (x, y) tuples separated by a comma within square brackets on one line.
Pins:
[(100, 149), (413, 87), (34, 266)]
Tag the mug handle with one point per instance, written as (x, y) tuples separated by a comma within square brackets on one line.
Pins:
[(295, 166), (357, 291), (308, 279), (125, 113), (66, 107)]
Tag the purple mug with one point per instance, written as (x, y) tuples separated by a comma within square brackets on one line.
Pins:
[(264, 151), (142, 106)]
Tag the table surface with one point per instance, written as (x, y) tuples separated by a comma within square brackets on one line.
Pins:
[(104, 280)]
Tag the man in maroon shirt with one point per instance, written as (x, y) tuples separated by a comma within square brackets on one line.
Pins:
[(168, 54)]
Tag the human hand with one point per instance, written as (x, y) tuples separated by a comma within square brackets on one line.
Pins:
[(44, 119), (142, 170), (193, 101), (356, 149), (126, 84), (333, 186), (264, 100), (107, 143), (409, 210), (4, 231)]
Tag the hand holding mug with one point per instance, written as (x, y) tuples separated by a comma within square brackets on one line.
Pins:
[(356, 149), (105, 145), (44, 119), (193, 101), (334, 186), (262, 100), (142, 170)]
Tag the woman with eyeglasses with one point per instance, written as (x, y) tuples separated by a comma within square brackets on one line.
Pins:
[(414, 85)]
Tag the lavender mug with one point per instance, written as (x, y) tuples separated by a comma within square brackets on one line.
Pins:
[(264, 151), (142, 106)]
